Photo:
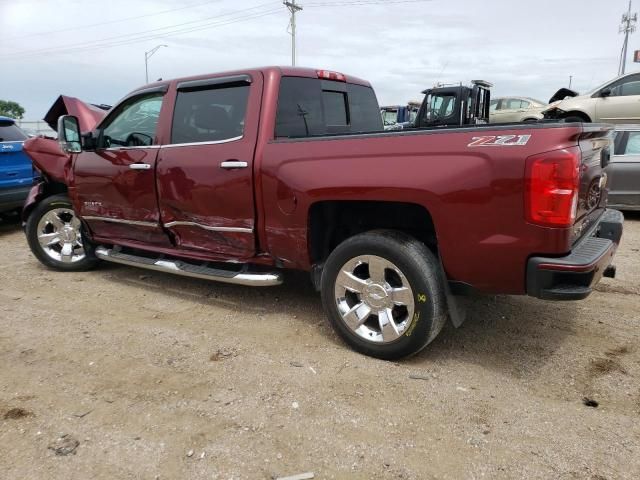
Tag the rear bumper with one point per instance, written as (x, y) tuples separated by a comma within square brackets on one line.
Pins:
[(12, 198), (573, 277)]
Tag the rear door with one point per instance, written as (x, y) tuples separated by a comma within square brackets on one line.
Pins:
[(624, 171), (15, 166), (205, 179), (114, 186)]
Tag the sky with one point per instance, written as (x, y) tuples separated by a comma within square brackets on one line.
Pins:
[(95, 50)]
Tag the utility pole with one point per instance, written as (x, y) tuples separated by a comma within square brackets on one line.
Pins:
[(628, 25), (147, 56), (293, 8), (570, 80)]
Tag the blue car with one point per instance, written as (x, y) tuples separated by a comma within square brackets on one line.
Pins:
[(16, 171)]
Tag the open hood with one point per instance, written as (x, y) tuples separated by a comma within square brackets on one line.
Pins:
[(562, 94), (88, 114)]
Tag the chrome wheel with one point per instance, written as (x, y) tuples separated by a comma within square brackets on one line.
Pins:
[(374, 299), (59, 235)]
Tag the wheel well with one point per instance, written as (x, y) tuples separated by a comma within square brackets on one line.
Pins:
[(581, 115), (49, 188), (332, 222)]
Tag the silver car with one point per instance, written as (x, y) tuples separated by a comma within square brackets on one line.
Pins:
[(617, 101), (515, 109), (624, 170)]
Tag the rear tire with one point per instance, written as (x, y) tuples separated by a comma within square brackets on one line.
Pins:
[(383, 292), (54, 234)]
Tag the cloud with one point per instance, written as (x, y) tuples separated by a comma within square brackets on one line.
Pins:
[(526, 47)]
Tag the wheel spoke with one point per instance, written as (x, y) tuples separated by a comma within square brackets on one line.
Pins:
[(376, 270), (75, 223), (66, 254), (55, 220), (357, 315), (350, 282), (388, 327), (402, 296), (48, 239)]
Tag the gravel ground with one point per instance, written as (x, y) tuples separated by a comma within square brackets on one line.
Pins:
[(124, 374)]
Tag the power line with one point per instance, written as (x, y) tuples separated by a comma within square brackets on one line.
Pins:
[(120, 20), (347, 3), (155, 33)]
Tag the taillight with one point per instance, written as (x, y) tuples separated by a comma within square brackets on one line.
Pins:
[(328, 75), (552, 185)]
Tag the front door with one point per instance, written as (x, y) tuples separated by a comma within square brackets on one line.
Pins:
[(623, 104), (114, 186), (205, 180)]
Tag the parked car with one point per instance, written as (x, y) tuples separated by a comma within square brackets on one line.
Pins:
[(624, 170), (16, 171), (617, 101), (515, 109), (237, 176)]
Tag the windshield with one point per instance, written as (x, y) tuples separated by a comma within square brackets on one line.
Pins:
[(390, 117)]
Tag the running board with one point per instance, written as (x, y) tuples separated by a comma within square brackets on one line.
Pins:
[(178, 267)]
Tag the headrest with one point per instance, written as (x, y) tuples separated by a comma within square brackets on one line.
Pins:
[(211, 117)]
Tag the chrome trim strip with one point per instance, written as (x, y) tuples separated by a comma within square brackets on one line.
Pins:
[(214, 142), (207, 227), (122, 147), (119, 220), (257, 279)]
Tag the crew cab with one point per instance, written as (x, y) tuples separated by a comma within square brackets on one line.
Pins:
[(238, 176)]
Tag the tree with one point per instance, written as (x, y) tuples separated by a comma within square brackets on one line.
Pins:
[(11, 109)]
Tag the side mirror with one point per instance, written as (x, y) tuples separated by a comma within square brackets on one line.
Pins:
[(605, 92), (69, 134)]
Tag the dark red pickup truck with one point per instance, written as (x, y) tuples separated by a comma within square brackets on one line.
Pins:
[(238, 176)]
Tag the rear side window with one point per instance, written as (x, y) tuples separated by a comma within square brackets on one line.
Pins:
[(308, 107), (210, 115), (10, 132)]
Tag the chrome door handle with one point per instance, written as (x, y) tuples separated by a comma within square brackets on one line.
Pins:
[(140, 166), (230, 164)]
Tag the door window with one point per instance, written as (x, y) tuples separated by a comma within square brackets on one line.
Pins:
[(626, 87), (134, 123), (515, 104), (633, 144), (210, 114), (493, 106)]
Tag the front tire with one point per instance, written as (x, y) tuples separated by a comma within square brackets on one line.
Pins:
[(54, 234), (383, 292)]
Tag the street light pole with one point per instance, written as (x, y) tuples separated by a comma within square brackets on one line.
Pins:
[(147, 56)]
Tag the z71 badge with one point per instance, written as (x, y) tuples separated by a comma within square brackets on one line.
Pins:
[(500, 141)]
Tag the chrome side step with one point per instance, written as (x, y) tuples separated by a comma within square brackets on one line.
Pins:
[(178, 267)]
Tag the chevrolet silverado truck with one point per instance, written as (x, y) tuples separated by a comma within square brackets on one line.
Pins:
[(239, 176)]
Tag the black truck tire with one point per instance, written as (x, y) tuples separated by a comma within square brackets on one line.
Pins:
[(383, 292), (54, 235)]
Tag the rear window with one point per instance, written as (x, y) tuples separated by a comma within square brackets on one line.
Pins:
[(308, 107), (10, 132)]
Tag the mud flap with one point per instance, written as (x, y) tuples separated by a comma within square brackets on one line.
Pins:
[(457, 310)]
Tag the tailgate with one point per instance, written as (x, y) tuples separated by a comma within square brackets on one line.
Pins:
[(596, 145)]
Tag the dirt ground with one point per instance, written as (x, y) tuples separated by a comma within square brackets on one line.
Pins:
[(121, 373)]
